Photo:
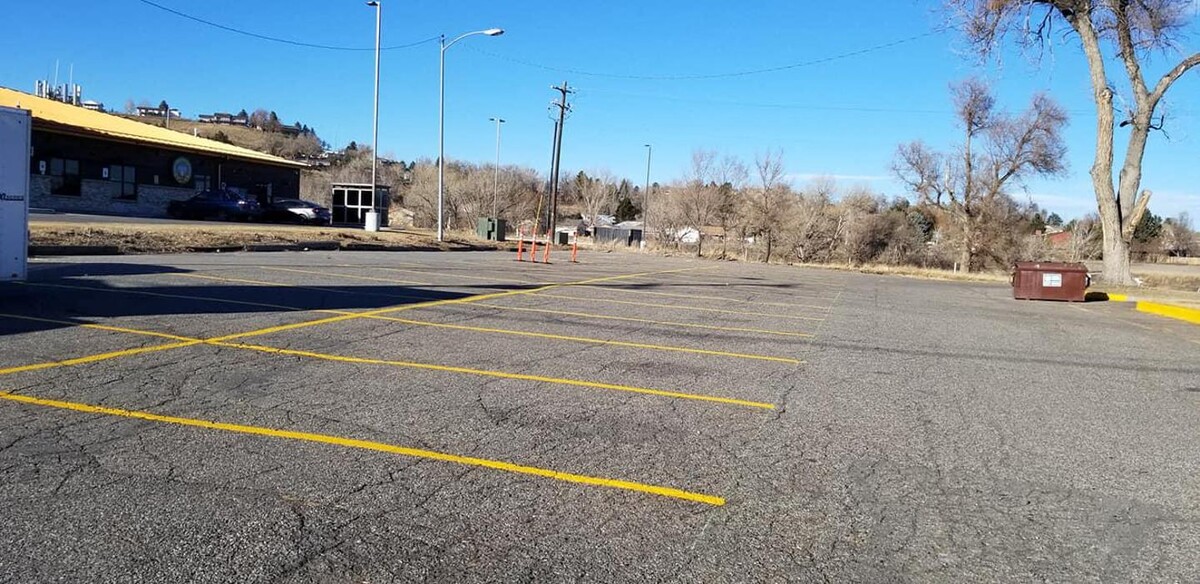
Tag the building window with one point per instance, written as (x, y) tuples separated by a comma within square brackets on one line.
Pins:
[(203, 182), (67, 172), (127, 177)]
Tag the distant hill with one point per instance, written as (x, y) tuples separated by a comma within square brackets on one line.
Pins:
[(274, 143)]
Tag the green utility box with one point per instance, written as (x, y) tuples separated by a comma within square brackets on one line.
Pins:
[(490, 228)]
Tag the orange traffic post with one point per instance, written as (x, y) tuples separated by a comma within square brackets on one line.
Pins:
[(533, 248), (574, 249), (546, 253), (520, 244)]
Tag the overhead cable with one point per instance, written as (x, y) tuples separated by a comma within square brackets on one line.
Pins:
[(277, 39)]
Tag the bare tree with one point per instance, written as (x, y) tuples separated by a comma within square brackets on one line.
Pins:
[(1177, 235), (771, 202), (597, 193), (998, 150), (1131, 31), (706, 193)]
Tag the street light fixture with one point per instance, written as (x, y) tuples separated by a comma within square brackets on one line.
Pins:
[(496, 176), (442, 120), (371, 221)]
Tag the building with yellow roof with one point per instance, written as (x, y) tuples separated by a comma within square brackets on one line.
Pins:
[(93, 162)]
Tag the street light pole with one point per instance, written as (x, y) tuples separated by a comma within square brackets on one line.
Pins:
[(646, 200), (496, 176), (374, 225), (441, 200)]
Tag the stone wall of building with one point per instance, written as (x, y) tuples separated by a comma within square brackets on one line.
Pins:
[(100, 196)]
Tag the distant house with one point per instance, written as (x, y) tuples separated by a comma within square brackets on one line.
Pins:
[(91, 104), (1059, 239), (225, 118), (147, 111)]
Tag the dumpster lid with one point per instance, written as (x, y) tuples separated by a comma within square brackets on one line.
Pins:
[(1051, 267)]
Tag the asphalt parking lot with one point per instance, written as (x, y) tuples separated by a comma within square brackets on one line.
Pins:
[(377, 417)]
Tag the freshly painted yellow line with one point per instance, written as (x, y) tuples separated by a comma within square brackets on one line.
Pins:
[(677, 307), (648, 321), (589, 340), (369, 445), (1118, 297), (348, 276), (498, 374), (223, 342), (1183, 313), (98, 357), (717, 298)]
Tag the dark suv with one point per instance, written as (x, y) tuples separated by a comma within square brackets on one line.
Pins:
[(216, 204)]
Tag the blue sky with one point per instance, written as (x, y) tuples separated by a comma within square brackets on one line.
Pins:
[(841, 118)]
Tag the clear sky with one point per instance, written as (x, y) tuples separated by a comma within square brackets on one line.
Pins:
[(842, 117)]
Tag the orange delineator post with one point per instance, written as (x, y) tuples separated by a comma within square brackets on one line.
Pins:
[(533, 249), (546, 253), (520, 245), (574, 249)]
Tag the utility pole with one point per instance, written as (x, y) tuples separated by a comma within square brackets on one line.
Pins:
[(556, 164), (496, 173)]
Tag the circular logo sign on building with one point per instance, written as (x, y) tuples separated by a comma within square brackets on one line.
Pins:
[(182, 169)]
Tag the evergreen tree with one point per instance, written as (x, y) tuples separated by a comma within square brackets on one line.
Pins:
[(626, 210)]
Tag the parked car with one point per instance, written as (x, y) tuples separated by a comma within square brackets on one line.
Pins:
[(297, 211), (216, 204)]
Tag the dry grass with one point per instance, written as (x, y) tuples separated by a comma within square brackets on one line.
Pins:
[(151, 238)]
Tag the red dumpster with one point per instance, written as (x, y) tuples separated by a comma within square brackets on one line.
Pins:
[(1050, 281)]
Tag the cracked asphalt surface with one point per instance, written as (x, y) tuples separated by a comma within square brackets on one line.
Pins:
[(907, 430)]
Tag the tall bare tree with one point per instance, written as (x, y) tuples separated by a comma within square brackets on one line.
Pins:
[(998, 150), (1130, 30), (770, 203), (706, 193), (597, 193)]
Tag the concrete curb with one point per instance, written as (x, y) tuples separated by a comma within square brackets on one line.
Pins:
[(1189, 315), (73, 250)]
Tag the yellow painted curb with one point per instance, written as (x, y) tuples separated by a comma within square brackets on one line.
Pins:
[(1191, 315), (1118, 298)]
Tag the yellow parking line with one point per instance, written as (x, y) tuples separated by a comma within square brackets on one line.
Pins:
[(648, 321), (816, 294), (348, 276), (369, 445), (590, 340), (339, 317), (498, 374), (463, 276), (97, 357), (676, 307), (166, 295), (302, 287), (224, 342), (718, 298)]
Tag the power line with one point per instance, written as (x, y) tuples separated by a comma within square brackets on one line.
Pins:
[(701, 76), (277, 39)]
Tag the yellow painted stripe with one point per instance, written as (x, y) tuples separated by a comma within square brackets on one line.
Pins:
[(678, 307), (649, 321), (1183, 313), (1118, 297), (97, 357), (274, 329), (499, 374), (716, 298), (589, 340), (99, 327), (447, 274), (369, 445), (167, 295), (347, 276), (222, 342)]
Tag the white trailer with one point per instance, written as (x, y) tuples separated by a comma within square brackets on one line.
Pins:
[(15, 127)]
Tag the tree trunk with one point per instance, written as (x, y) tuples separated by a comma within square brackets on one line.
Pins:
[(965, 259), (699, 244), (769, 241), (1116, 254)]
